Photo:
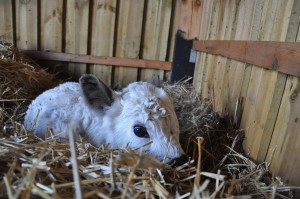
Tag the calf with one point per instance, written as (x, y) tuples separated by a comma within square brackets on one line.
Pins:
[(133, 117)]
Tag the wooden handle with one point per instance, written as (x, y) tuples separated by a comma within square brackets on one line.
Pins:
[(279, 56)]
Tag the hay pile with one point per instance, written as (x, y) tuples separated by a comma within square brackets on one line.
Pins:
[(35, 168), (21, 81)]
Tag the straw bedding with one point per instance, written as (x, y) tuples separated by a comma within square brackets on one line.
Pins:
[(35, 168)]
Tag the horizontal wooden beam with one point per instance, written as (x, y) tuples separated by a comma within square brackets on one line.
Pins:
[(279, 56), (103, 60)]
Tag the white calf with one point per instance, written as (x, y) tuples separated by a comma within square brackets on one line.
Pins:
[(140, 113)]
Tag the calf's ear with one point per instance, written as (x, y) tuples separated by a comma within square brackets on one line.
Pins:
[(156, 81), (96, 93)]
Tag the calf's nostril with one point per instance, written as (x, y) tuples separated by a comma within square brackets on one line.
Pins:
[(180, 161)]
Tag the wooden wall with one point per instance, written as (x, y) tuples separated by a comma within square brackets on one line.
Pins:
[(141, 29), (269, 108)]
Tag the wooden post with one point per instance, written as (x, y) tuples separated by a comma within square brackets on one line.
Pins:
[(190, 17), (189, 24)]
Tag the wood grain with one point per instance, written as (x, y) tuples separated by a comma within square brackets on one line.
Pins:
[(215, 28), (77, 17), (128, 39), (51, 25), (282, 155), (6, 25), (173, 28), (265, 87), (267, 114), (284, 161), (155, 40), (190, 17), (248, 12), (103, 31), (26, 24), (220, 77), (200, 68), (103, 60), (278, 56)]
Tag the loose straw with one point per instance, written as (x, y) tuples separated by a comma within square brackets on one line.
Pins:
[(198, 173), (231, 188), (74, 164)]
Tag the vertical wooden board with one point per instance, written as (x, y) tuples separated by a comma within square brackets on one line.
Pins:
[(174, 28), (215, 27), (51, 25), (265, 87), (77, 17), (26, 24), (260, 94), (282, 154), (294, 26), (189, 19), (285, 139), (156, 35), (6, 25), (221, 75), (255, 28), (290, 159), (237, 74), (250, 116), (189, 26), (172, 32), (103, 28), (128, 38), (201, 66)]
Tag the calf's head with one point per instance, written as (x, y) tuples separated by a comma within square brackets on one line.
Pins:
[(139, 114)]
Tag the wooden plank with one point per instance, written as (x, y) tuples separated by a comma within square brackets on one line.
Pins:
[(253, 110), (77, 17), (221, 75), (247, 18), (103, 60), (294, 25), (215, 26), (6, 25), (282, 154), (103, 28), (155, 43), (173, 28), (290, 159), (51, 25), (172, 32), (265, 87), (285, 139), (128, 38), (200, 68), (279, 56), (26, 24), (240, 72), (190, 17)]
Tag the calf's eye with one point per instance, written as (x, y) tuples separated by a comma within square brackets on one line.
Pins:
[(140, 131)]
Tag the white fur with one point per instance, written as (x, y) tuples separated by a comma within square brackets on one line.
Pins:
[(138, 103)]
